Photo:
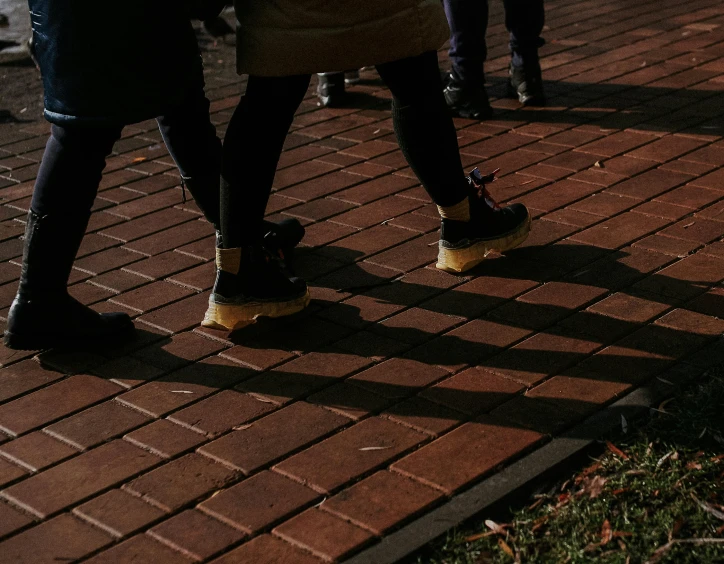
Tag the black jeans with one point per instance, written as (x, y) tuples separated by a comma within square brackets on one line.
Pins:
[(258, 128), (75, 156), (468, 21)]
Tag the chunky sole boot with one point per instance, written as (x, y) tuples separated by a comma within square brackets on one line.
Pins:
[(464, 256), (250, 284), (43, 315), (492, 228)]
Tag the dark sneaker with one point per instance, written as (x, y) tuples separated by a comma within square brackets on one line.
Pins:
[(330, 89), (351, 77), (465, 244), (526, 83), (467, 101), (250, 283)]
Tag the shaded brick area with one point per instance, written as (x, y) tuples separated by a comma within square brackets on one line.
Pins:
[(308, 439)]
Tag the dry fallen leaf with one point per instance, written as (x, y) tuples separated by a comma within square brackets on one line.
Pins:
[(599, 164), (375, 448), (593, 486), (139, 159), (606, 533), (615, 450), (504, 545)]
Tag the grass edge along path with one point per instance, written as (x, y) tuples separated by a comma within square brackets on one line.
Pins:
[(654, 495)]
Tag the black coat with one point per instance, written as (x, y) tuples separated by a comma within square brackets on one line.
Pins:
[(116, 62)]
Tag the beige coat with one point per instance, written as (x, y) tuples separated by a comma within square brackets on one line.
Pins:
[(288, 37)]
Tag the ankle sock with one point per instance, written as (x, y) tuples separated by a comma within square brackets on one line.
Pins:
[(228, 260), (458, 212)]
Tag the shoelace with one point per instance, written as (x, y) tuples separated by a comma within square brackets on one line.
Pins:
[(478, 182)]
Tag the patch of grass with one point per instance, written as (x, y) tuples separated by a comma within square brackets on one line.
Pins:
[(655, 496)]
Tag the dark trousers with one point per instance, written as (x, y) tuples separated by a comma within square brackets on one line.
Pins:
[(468, 21), (75, 156), (257, 130)]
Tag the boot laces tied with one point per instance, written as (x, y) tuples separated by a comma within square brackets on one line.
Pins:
[(478, 181)]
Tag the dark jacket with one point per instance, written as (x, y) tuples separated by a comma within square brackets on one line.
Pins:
[(116, 62)]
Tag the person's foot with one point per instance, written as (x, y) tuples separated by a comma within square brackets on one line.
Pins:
[(467, 101), (250, 283), (330, 89), (351, 77), (281, 238), (61, 322), (465, 244), (526, 83)]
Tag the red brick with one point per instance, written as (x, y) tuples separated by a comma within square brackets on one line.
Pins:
[(164, 438), (363, 243), (118, 513), (323, 186), (127, 371), (668, 245), (714, 180), (195, 534), (350, 401), (178, 350), (97, 425), (696, 229), (179, 316), (381, 502), (184, 386), (323, 534), (359, 311), (351, 453), (274, 436), (375, 189), (181, 481), (259, 502), (417, 325), (376, 212), (148, 224), (581, 394), (36, 451), (119, 281), (620, 230), (221, 412), (467, 454), (398, 377), (563, 295), (23, 377), (141, 548), (685, 278), (301, 172), (152, 184), (468, 344), (616, 143), (604, 204), (410, 255), (267, 549), (711, 303), (163, 265), (371, 345), (79, 478), (637, 309), (317, 210), (53, 402), (306, 374), (11, 520), (473, 391), (423, 415), (9, 472), (109, 259), (558, 195), (152, 296), (693, 323), (63, 539), (667, 148), (172, 237), (536, 414), (690, 196)]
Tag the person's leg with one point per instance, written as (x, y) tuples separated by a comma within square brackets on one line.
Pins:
[(524, 20), (43, 314), (330, 89), (465, 92), (248, 283), (192, 142), (472, 223), (468, 20)]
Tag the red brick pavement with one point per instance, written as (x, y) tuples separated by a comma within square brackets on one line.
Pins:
[(307, 439)]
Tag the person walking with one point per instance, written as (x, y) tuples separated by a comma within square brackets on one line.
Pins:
[(465, 89), (138, 61), (280, 44)]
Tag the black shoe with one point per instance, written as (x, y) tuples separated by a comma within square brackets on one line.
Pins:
[(250, 283), (464, 244), (330, 90), (43, 315), (467, 101), (526, 83)]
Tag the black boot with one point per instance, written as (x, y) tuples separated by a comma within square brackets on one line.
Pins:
[(330, 89), (464, 244), (43, 315), (250, 283), (467, 101), (280, 238), (526, 82)]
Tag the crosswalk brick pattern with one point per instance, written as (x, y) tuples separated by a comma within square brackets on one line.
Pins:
[(308, 439)]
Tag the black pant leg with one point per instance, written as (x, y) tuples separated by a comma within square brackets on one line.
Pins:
[(424, 127), (524, 20), (468, 20), (71, 169), (252, 147)]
